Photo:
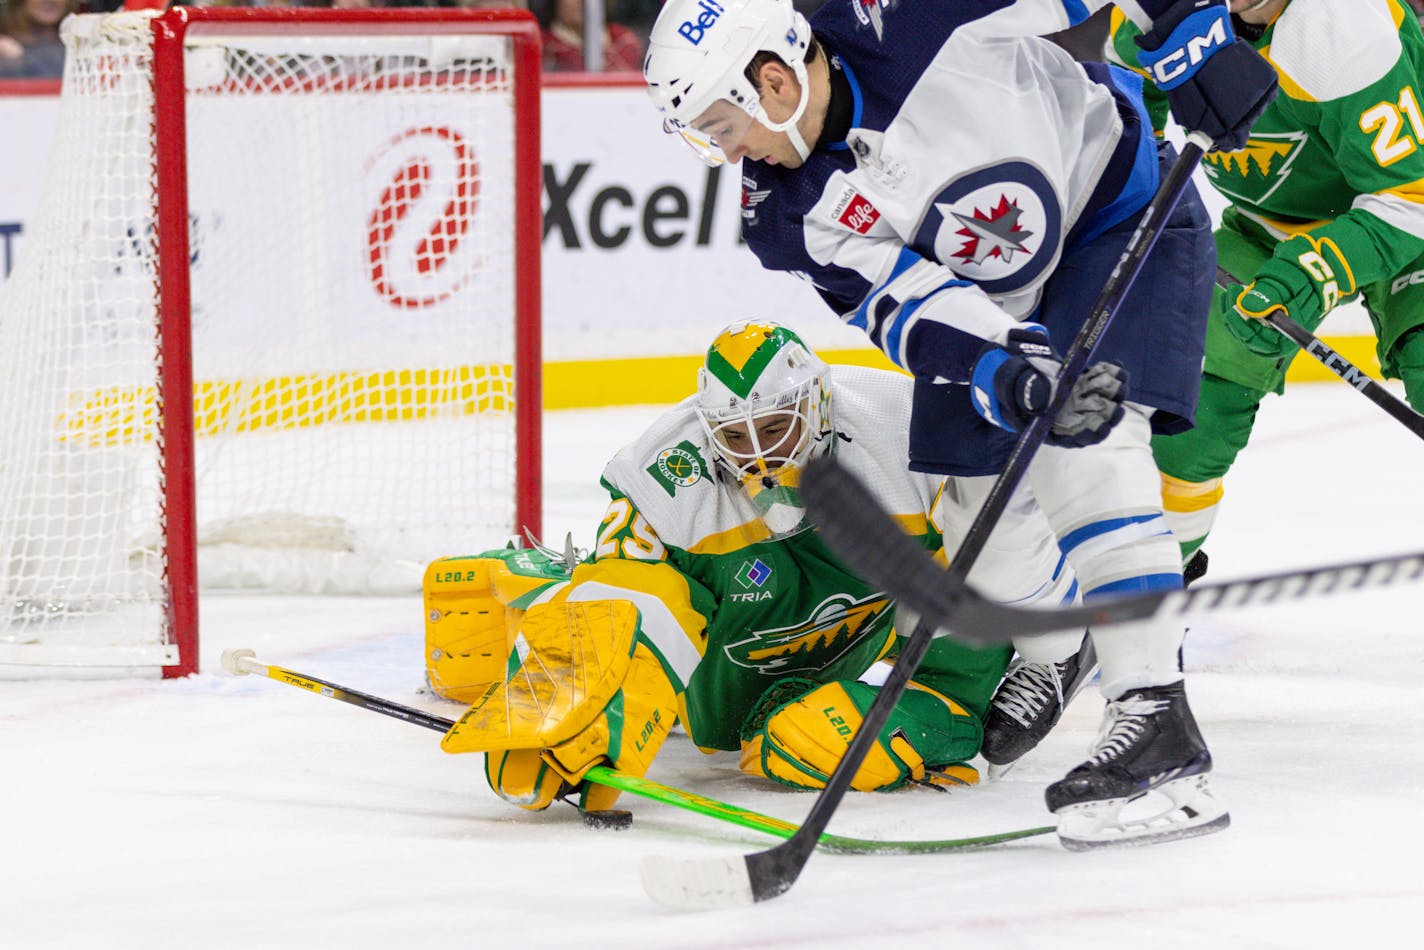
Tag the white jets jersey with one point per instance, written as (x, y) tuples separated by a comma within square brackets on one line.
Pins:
[(976, 154)]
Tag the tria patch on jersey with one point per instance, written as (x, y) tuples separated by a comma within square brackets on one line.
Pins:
[(854, 211), (678, 467), (998, 226), (751, 197)]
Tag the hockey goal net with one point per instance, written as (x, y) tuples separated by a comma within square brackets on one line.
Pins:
[(277, 325)]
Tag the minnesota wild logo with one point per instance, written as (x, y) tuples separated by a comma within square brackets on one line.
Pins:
[(837, 625), (1253, 173), (678, 467)]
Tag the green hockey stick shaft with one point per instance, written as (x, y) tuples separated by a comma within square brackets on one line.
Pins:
[(243, 662), (785, 829)]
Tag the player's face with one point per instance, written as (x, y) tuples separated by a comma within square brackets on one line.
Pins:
[(772, 438), (731, 129)]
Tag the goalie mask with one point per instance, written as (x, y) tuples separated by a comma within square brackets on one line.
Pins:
[(765, 404), (695, 70)]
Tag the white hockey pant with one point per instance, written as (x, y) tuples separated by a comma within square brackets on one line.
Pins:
[(1020, 563), (1104, 505)]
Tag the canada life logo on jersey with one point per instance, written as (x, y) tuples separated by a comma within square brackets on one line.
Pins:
[(997, 226), (418, 242), (854, 211)]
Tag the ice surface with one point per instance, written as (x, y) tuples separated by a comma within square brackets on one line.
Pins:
[(224, 812)]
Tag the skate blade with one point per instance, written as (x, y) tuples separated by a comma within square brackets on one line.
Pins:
[(1194, 811), (996, 772)]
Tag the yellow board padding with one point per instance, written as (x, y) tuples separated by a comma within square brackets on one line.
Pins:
[(128, 414), (653, 380)]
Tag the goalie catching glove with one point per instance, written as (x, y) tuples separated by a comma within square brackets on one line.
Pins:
[(584, 689), (1014, 382), (1304, 277), (798, 731)]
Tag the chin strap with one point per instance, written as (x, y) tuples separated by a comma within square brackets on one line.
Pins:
[(789, 126)]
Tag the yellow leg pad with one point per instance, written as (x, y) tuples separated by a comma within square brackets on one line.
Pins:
[(573, 657), (521, 777), (804, 741), (470, 624)]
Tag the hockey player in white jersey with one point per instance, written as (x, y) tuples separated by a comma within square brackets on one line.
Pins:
[(961, 189), (747, 629)]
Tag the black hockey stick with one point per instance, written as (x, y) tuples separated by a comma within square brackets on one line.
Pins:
[(1338, 365), (855, 526), (696, 885), (242, 662)]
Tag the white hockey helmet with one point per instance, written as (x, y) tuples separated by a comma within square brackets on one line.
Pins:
[(764, 400), (697, 55)]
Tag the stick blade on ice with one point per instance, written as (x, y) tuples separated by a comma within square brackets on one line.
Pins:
[(703, 884)]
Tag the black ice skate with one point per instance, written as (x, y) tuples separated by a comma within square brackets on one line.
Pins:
[(1149, 742), (1029, 703)]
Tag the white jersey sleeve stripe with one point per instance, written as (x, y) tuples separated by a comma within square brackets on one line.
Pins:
[(1398, 209)]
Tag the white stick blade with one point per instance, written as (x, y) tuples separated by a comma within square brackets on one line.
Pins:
[(232, 661), (698, 885)]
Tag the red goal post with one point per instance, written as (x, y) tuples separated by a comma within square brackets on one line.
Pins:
[(322, 229)]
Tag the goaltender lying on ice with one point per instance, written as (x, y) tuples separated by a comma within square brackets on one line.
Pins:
[(710, 599)]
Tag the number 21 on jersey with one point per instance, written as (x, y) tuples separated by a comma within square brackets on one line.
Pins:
[(1386, 122)]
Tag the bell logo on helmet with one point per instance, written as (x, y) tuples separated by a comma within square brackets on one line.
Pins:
[(695, 29)]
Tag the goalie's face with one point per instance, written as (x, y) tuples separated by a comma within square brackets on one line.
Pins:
[(761, 445)]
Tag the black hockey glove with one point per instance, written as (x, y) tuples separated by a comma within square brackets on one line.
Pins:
[(1014, 382), (1215, 83)]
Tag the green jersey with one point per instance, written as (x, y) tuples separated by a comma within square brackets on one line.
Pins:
[(757, 608), (1340, 151), (731, 609)]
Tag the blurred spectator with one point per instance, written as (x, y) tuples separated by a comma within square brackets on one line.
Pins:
[(562, 22), (29, 38), (1418, 5)]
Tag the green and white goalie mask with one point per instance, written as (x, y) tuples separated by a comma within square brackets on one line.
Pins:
[(695, 70), (765, 403)]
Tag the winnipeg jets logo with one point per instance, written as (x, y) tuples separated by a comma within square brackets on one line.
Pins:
[(993, 234), (871, 13), (751, 197), (998, 226)]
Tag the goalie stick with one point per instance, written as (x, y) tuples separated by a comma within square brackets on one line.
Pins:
[(243, 661), (1338, 365), (762, 875), (854, 525)]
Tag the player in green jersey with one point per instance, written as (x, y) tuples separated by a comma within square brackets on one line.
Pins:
[(746, 629), (1327, 204)]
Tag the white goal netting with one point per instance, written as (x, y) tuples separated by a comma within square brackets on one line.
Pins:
[(351, 262)]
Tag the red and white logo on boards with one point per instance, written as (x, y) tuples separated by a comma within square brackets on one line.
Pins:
[(417, 237)]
